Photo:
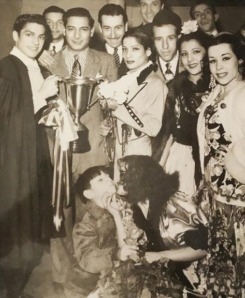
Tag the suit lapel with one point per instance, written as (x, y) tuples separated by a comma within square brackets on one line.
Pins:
[(92, 65), (135, 89)]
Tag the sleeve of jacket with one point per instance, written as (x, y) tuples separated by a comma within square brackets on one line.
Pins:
[(151, 114), (88, 253)]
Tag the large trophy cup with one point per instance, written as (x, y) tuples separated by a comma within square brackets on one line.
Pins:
[(79, 92)]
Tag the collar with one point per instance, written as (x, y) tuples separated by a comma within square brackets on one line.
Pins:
[(29, 62), (58, 45), (81, 55), (137, 72), (110, 50), (95, 210), (173, 62)]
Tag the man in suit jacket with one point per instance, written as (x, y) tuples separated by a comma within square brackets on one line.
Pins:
[(54, 19), (148, 10), (113, 23), (79, 28), (166, 28)]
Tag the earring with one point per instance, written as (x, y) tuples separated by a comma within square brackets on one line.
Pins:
[(239, 76), (212, 82)]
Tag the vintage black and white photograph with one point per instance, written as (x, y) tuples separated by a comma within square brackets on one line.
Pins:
[(122, 149)]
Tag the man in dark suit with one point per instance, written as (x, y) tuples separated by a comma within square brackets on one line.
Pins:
[(148, 10), (113, 23), (204, 12), (79, 28), (166, 28), (54, 19)]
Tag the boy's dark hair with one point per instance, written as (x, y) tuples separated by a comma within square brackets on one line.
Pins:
[(83, 181), (78, 12), (207, 2), (112, 10), (53, 9), (24, 19)]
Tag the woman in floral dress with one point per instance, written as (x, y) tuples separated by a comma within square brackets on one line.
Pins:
[(221, 133), (186, 94)]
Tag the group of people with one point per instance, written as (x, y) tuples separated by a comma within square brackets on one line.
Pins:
[(165, 136)]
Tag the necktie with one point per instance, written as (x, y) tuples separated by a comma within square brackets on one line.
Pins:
[(169, 72), (76, 68), (116, 57), (53, 51)]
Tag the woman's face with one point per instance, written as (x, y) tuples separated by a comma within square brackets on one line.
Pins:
[(223, 63), (134, 53), (192, 54)]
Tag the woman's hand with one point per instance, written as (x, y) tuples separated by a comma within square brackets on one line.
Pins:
[(151, 257), (127, 252)]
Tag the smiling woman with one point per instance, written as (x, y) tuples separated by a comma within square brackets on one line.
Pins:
[(222, 139)]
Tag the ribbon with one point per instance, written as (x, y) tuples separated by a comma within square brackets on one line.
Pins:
[(58, 116)]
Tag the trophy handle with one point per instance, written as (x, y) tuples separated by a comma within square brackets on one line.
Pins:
[(90, 102)]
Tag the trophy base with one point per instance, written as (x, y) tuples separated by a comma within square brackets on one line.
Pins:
[(81, 145)]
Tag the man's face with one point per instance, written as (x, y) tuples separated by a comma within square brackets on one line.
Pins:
[(165, 40), (148, 9), (78, 33), (30, 40), (205, 18), (55, 22), (112, 29)]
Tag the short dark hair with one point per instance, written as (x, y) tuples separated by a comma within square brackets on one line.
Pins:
[(78, 12), (112, 10), (199, 2), (83, 181), (53, 9), (162, 1), (24, 19), (167, 17)]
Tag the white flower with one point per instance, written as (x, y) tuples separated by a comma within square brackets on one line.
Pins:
[(113, 90), (189, 26)]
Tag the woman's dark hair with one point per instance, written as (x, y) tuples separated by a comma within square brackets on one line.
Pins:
[(204, 40), (83, 181), (145, 179), (143, 38), (235, 44)]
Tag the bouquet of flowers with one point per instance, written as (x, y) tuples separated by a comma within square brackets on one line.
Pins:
[(130, 278)]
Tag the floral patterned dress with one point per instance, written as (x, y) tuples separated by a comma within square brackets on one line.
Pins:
[(226, 276)]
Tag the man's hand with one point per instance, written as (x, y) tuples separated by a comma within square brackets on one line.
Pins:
[(49, 86), (46, 59)]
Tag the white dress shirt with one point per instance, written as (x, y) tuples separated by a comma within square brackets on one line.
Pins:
[(173, 63), (110, 51), (58, 45)]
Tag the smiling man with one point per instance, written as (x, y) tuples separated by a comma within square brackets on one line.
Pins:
[(79, 28), (113, 23), (204, 13), (24, 185), (148, 9)]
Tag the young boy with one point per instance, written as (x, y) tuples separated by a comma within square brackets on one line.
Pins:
[(98, 235)]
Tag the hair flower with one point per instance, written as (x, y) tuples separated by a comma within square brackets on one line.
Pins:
[(189, 27)]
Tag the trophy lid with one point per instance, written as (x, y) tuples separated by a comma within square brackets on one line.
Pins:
[(79, 80)]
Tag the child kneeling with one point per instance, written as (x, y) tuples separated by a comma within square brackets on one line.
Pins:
[(98, 234)]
